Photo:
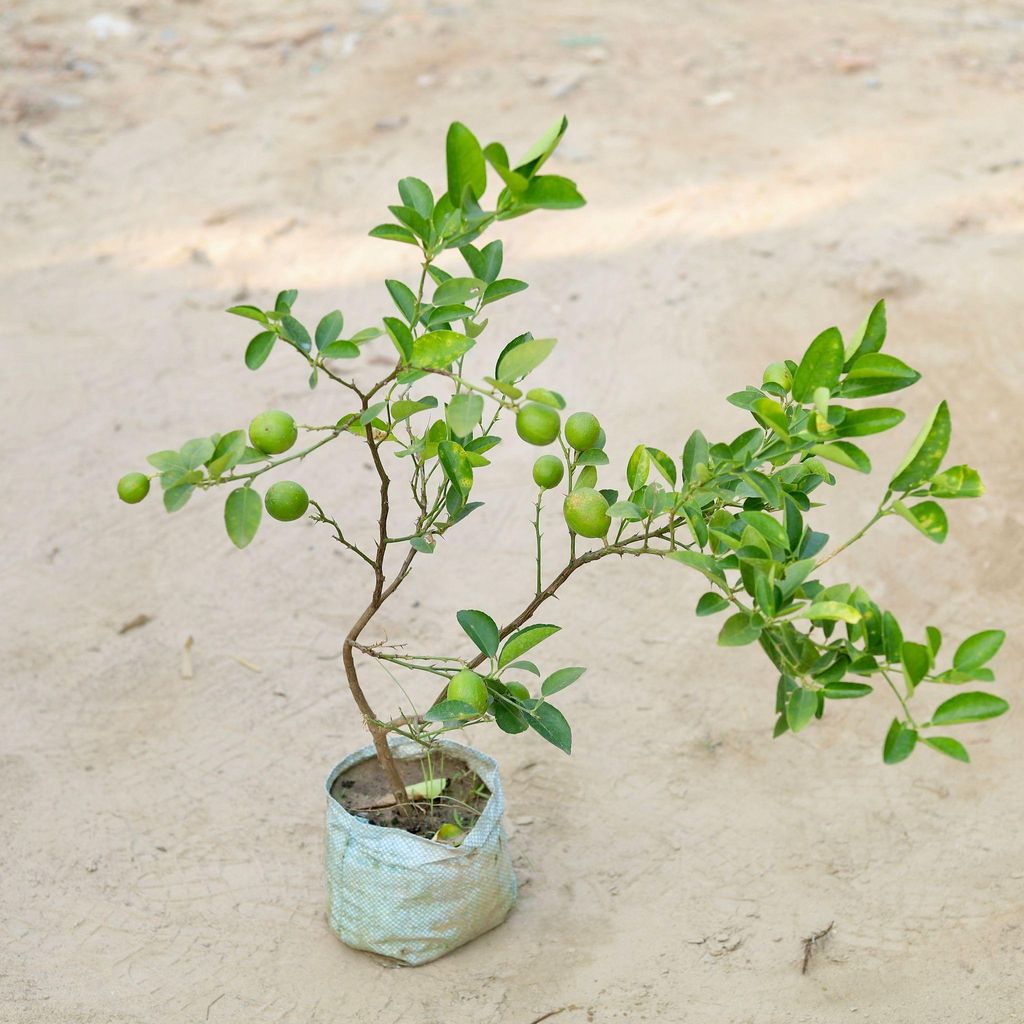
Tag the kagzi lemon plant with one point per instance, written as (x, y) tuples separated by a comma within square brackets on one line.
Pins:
[(735, 511)]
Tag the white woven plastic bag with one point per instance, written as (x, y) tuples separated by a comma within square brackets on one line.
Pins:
[(404, 896)]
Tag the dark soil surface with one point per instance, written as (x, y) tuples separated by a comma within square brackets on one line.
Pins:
[(363, 791)]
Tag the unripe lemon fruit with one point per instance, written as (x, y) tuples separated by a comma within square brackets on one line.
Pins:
[(548, 471), (778, 373), (582, 430), (586, 512), (133, 487), (468, 687), (538, 424), (518, 690), (273, 432), (286, 500)]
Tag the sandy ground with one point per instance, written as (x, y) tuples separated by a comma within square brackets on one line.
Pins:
[(755, 173)]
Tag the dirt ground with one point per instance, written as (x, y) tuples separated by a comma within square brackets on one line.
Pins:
[(755, 173)]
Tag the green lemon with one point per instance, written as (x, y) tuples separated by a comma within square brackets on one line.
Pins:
[(586, 512), (286, 500), (778, 373), (548, 471), (469, 688), (273, 432), (133, 487), (582, 430), (518, 691), (538, 424)]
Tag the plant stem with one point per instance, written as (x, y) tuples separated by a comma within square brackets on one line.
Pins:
[(536, 530)]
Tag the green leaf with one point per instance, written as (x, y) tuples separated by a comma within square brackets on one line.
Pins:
[(404, 297), (465, 163), (552, 398), (515, 363), (900, 741), (228, 453), (464, 412), (393, 233), (259, 348), (294, 332), (830, 611), (502, 289), (738, 630), (437, 350), (285, 300), (711, 603), (417, 194), (638, 468), (400, 336), (539, 152), (846, 691), (549, 192), (950, 747), (456, 466), (592, 457), (820, 366), (871, 334), (627, 510), (772, 415), (800, 708), (481, 629), (957, 482), (560, 679), (926, 453), (928, 517), (406, 407), (329, 329), (916, 660), (524, 640), (176, 497), (844, 454), (768, 526), (422, 545), (664, 464), (242, 513), (877, 374), (197, 452), (975, 706), (457, 289), (860, 422), (340, 350), (550, 723), (526, 666), (695, 453), (250, 313), (451, 711), (509, 719), (978, 649), (702, 563)]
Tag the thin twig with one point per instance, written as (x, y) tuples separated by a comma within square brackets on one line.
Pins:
[(811, 943)]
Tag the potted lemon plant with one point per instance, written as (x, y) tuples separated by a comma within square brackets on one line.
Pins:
[(416, 859)]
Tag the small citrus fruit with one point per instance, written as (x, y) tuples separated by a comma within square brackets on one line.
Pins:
[(273, 432), (538, 424), (548, 471), (582, 430), (518, 690), (286, 500), (586, 512), (468, 687), (778, 373), (133, 487)]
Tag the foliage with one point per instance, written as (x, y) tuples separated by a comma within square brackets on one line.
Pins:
[(737, 512)]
